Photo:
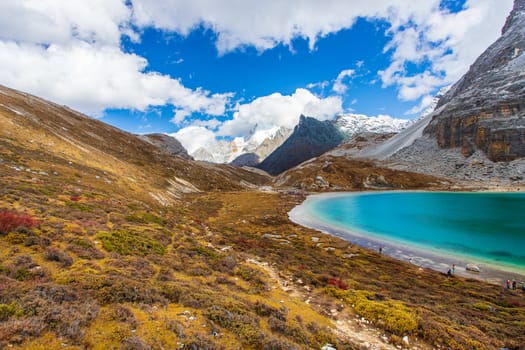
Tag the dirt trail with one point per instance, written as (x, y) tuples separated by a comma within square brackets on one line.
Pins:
[(346, 325)]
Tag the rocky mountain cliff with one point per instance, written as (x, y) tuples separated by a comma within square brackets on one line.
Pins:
[(485, 109), (167, 144), (310, 138)]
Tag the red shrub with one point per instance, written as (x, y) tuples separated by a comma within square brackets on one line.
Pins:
[(11, 221), (337, 282), (75, 198)]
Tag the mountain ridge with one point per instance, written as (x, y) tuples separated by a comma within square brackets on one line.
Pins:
[(309, 139)]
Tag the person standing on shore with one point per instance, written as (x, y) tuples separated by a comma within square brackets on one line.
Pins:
[(453, 268), (508, 284), (513, 284)]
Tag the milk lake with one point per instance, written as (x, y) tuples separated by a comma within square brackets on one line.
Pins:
[(488, 227)]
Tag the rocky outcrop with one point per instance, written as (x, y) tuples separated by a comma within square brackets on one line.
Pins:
[(310, 139), (167, 144), (246, 159), (485, 109)]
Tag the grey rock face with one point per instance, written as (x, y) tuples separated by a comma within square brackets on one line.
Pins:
[(246, 159), (485, 109), (167, 144), (310, 139)]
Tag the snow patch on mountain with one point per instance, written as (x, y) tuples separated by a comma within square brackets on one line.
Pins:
[(259, 142), (351, 124)]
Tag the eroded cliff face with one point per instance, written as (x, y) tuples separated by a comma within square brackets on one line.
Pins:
[(485, 109)]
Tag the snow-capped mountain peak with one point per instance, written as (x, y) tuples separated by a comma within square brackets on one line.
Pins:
[(350, 124)]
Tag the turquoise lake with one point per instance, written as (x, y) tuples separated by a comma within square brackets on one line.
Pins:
[(486, 226)]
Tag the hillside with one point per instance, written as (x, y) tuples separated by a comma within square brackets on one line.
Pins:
[(106, 242), (49, 138)]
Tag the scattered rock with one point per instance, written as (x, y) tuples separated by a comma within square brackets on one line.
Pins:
[(270, 236), (405, 340)]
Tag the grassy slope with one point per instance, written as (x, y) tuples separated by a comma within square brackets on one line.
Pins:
[(455, 313), (107, 266)]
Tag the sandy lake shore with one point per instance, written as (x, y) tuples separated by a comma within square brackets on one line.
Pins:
[(436, 260)]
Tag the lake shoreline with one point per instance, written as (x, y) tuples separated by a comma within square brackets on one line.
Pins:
[(415, 255)]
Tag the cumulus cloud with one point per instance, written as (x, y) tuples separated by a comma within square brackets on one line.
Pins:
[(69, 51), (195, 137), (279, 110), (62, 21), (93, 80), (265, 24), (421, 31), (447, 42)]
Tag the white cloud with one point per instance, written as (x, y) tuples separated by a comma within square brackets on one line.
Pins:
[(413, 87), (421, 32), (63, 21), (69, 51), (319, 85), (279, 110), (265, 24), (95, 79), (195, 137), (339, 85), (447, 42)]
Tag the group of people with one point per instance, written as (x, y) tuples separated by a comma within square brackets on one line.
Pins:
[(514, 285)]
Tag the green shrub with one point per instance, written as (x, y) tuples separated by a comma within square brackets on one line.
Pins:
[(23, 274), (245, 326), (145, 218), (396, 316), (481, 306), (79, 206), (206, 252), (85, 249), (8, 310), (16, 237), (128, 243)]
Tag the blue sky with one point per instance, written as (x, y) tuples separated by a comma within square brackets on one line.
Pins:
[(201, 69), (251, 74)]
